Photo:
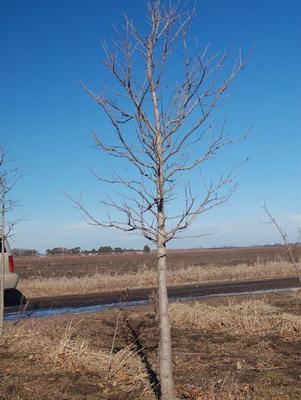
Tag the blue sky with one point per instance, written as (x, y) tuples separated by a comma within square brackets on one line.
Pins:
[(46, 118)]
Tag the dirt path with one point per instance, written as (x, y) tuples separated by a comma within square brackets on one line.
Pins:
[(175, 292)]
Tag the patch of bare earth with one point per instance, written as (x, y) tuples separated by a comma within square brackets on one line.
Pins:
[(242, 348), (87, 265)]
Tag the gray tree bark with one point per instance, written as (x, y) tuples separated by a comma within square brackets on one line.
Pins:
[(165, 352), (166, 370)]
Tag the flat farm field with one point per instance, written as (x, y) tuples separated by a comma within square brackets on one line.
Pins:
[(86, 265)]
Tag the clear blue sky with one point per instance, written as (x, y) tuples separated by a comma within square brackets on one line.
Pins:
[(46, 118)]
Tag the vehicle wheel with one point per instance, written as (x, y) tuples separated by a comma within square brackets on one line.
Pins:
[(13, 297)]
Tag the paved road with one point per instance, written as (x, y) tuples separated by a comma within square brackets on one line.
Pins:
[(184, 291)]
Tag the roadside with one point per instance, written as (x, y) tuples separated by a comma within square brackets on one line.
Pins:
[(84, 303), (146, 277), (239, 348)]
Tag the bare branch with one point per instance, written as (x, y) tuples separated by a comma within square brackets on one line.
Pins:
[(160, 127), (272, 220)]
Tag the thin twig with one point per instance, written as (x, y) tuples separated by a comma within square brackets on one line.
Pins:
[(272, 220)]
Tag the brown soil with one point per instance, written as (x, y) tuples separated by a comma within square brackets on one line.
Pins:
[(122, 263), (209, 364)]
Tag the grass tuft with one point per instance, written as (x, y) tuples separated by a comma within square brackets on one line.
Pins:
[(249, 317)]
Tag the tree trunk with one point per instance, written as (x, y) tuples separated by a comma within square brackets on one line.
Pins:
[(166, 371)]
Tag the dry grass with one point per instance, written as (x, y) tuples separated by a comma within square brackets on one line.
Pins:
[(123, 368), (209, 343), (225, 390), (36, 287), (70, 352), (249, 317)]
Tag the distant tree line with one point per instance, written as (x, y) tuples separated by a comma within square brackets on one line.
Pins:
[(25, 252), (101, 250), (63, 251)]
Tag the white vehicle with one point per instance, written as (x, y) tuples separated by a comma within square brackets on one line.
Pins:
[(10, 277)]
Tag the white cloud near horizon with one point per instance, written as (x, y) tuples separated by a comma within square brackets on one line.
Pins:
[(222, 233)]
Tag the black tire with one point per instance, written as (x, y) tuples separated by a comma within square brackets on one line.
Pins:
[(13, 297)]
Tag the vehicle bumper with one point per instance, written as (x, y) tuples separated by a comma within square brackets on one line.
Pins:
[(10, 280)]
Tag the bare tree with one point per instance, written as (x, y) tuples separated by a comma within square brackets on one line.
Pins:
[(162, 127), (272, 220), (8, 178)]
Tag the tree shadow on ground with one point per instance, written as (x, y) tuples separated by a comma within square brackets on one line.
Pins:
[(152, 375)]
